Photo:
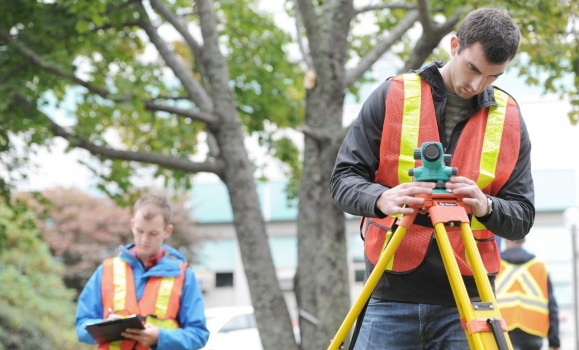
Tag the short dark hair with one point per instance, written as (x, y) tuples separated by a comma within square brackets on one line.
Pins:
[(498, 34), (153, 205)]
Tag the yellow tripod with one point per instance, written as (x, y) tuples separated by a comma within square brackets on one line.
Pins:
[(481, 321)]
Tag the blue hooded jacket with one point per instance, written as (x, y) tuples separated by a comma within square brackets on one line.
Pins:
[(192, 334)]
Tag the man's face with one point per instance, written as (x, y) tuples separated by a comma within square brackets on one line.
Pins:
[(149, 234), (470, 72)]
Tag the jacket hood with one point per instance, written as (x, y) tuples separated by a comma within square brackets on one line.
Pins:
[(516, 255), (432, 75), (170, 265), (170, 252)]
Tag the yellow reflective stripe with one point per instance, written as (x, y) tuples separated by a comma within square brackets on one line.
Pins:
[(163, 296), (492, 141), (476, 225), (165, 324), (410, 125), (116, 345), (120, 283), (491, 146)]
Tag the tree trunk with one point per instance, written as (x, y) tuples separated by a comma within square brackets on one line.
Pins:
[(271, 311), (322, 289), (272, 315)]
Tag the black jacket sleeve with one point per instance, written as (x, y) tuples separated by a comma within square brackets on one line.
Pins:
[(352, 183), (553, 334)]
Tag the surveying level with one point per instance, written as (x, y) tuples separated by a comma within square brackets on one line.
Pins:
[(481, 320), (433, 167)]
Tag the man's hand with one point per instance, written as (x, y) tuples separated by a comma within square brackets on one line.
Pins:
[(148, 336), (392, 201), (473, 196)]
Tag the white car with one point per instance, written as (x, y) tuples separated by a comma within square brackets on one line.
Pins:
[(232, 328)]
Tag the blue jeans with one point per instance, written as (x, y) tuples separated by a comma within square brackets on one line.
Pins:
[(393, 325)]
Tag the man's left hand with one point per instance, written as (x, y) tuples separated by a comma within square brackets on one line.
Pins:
[(148, 336), (473, 196)]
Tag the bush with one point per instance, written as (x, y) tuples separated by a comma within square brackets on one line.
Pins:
[(37, 309)]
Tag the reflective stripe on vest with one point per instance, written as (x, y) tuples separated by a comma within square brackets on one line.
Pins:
[(522, 296), (159, 304), (487, 150)]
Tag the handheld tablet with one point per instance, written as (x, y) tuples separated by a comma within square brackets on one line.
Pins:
[(110, 330)]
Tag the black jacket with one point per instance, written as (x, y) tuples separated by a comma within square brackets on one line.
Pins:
[(354, 191)]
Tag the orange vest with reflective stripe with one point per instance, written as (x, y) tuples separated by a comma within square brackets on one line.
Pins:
[(159, 304), (487, 151), (522, 296)]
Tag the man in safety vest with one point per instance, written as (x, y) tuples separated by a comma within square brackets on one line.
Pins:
[(526, 300), (150, 279), (480, 125)]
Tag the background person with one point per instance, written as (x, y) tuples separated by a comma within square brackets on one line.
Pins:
[(526, 300), (150, 279), (482, 128)]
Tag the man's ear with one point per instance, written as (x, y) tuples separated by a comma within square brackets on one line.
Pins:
[(168, 230), (454, 45)]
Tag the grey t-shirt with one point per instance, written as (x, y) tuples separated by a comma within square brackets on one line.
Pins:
[(457, 109)]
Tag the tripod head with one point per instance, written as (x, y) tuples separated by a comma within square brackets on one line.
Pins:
[(433, 167)]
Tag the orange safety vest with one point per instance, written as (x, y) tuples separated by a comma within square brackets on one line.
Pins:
[(159, 304), (487, 151), (523, 297)]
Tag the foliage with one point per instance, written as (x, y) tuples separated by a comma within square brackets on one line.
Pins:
[(146, 89), (549, 51), (99, 57), (36, 309), (16, 333), (82, 230)]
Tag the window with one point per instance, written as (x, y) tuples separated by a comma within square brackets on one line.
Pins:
[(359, 275), (224, 279)]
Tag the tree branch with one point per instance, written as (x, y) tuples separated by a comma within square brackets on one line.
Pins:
[(104, 93), (191, 85), (315, 135), (213, 59), (300, 39), (429, 41), (200, 116), (424, 16), (39, 62), (162, 8), (161, 160), (370, 8), (379, 49), (308, 15)]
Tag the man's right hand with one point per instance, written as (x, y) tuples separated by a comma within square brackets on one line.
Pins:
[(393, 200), (113, 317)]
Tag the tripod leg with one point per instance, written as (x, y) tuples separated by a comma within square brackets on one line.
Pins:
[(473, 314), (479, 272), (368, 288), (453, 272)]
